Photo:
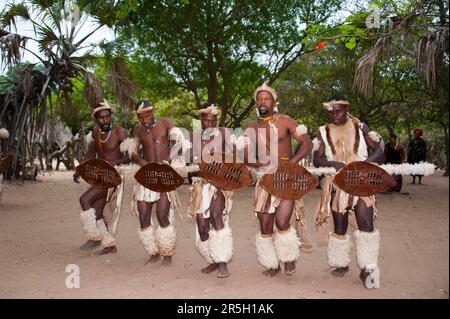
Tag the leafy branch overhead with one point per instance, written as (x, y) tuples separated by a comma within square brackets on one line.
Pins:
[(229, 48), (62, 36)]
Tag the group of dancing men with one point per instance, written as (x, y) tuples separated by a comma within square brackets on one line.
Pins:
[(345, 139)]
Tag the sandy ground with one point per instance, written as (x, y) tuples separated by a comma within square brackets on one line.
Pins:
[(40, 232)]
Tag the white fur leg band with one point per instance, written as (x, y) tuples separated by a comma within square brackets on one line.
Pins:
[(203, 249), (108, 240), (147, 238), (287, 245), (338, 251), (367, 248), (88, 221), (221, 244), (166, 240), (265, 252)]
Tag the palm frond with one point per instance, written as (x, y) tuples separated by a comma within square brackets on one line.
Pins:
[(47, 39), (92, 90), (67, 103), (123, 85), (10, 46), (429, 52), (26, 81), (363, 82), (45, 4), (11, 13)]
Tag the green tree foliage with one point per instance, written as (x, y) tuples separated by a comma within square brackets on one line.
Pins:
[(401, 97), (63, 60), (220, 51)]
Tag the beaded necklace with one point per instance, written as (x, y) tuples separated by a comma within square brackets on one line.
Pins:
[(101, 142), (153, 137), (107, 137)]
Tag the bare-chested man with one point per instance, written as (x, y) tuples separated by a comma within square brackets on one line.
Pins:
[(154, 135), (211, 205), (345, 140), (283, 246), (105, 144)]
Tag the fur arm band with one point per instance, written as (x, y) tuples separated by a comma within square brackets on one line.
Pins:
[(301, 129), (374, 136), (316, 144)]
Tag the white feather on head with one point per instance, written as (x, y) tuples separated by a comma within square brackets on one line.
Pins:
[(211, 109), (143, 107)]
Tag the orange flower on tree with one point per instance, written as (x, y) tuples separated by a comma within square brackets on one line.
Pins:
[(320, 45)]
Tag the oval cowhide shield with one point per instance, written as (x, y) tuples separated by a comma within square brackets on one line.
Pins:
[(5, 163), (220, 170), (363, 179), (159, 177), (290, 181), (99, 173)]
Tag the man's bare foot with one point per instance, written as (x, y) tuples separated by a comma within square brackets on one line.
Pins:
[(223, 271), (210, 268), (289, 268), (307, 248), (107, 250), (271, 272), (167, 260), (340, 271), (90, 244), (153, 259)]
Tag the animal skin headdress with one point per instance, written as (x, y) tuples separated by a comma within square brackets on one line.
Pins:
[(143, 107), (102, 106), (266, 88), (209, 109), (335, 100)]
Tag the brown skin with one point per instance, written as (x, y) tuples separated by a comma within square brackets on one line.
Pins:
[(153, 153), (417, 137), (363, 214), (399, 147), (95, 197), (286, 132), (209, 121)]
